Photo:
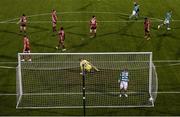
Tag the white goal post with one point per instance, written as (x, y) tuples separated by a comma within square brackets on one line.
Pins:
[(53, 80)]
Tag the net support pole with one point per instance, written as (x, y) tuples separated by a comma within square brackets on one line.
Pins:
[(84, 92), (150, 75), (19, 83)]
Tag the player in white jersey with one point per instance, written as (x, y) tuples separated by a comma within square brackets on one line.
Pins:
[(168, 18), (135, 12), (123, 80)]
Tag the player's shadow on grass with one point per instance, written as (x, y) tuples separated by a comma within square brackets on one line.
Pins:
[(5, 57), (141, 45), (159, 44), (177, 54), (168, 34), (40, 29), (84, 7), (86, 42), (123, 16), (110, 33), (79, 34), (130, 35), (10, 32), (42, 45)]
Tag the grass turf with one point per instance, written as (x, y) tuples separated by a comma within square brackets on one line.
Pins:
[(111, 37)]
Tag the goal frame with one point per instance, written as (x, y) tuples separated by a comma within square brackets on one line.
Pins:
[(19, 96)]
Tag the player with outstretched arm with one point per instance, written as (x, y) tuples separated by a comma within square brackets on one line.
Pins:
[(88, 67), (123, 81)]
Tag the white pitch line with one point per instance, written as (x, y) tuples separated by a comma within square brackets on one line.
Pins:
[(8, 94), (168, 92), (7, 67), (80, 21), (90, 93), (80, 12), (8, 62)]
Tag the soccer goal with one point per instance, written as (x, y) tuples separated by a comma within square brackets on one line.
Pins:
[(53, 80)]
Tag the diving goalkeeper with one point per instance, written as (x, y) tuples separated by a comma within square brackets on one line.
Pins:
[(88, 67)]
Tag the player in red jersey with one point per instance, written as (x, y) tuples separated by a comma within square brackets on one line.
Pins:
[(147, 28), (61, 35), (23, 23), (26, 48), (93, 26), (54, 20)]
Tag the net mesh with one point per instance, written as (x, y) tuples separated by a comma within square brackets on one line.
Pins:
[(54, 81)]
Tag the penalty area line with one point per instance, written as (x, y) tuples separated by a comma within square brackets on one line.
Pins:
[(80, 12), (7, 67), (83, 21), (8, 94)]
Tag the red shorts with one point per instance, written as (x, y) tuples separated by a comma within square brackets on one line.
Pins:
[(93, 27), (27, 50), (54, 24), (146, 30), (23, 24), (61, 40)]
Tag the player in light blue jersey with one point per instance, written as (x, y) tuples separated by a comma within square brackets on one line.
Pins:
[(168, 18), (123, 80), (135, 12)]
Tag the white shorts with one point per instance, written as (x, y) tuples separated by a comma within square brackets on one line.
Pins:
[(123, 85), (166, 21), (133, 13)]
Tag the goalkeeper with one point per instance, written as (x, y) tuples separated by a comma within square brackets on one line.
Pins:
[(88, 67)]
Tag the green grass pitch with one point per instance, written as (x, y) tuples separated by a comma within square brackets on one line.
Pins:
[(114, 34)]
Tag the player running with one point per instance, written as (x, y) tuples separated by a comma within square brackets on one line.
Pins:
[(123, 80), (168, 18), (54, 20), (147, 28), (61, 35), (26, 49), (135, 12), (23, 23), (88, 67), (93, 26)]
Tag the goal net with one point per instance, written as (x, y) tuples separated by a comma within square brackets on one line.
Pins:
[(53, 80)]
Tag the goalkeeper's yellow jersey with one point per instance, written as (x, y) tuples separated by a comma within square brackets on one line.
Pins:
[(87, 65)]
